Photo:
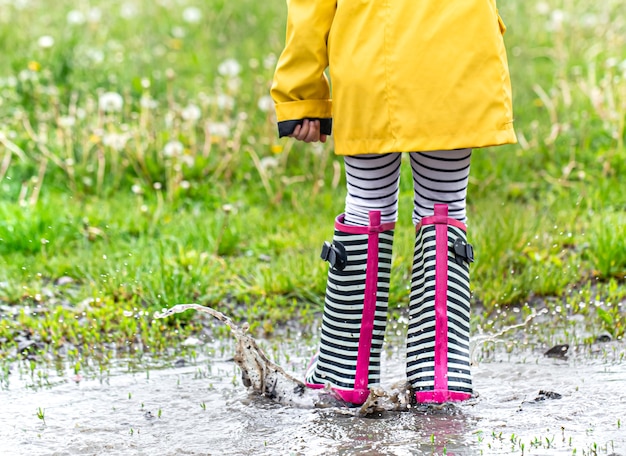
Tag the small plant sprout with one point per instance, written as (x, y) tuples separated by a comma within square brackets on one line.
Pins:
[(202, 405), (41, 414)]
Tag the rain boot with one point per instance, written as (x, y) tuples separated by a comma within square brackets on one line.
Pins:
[(438, 357), (355, 309)]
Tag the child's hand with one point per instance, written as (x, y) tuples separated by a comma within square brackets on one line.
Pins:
[(308, 132)]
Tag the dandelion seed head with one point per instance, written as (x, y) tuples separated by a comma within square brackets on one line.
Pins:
[(147, 102), (157, 186), (26, 75), (191, 113), (233, 84), (223, 101), (185, 185), (269, 61), (229, 68), (268, 163), (45, 41), (94, 15), (95, 55), (159, 50), (110, 102), (192, 15), (265, 103), (557, 19), (115, 141), (178, 32), (75, 17), (128, 11), (219, 129), (136, 189), (173, 149), (187, 160)]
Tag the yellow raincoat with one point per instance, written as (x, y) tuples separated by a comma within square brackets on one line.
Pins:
[(407, 75)]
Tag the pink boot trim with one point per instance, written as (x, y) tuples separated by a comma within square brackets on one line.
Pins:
[(440, 396), (361, 379), (441, 393), (357, 397)]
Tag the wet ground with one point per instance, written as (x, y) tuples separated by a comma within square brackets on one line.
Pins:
[(528, 404)]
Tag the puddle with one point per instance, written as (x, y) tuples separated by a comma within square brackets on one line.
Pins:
[(203, 409)]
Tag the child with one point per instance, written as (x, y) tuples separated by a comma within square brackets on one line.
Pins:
[(428, 78)]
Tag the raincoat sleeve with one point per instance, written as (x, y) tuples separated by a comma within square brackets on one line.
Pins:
[(300, 88)]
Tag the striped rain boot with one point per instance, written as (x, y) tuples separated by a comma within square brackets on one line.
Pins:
[(355, 310), (438, 359)]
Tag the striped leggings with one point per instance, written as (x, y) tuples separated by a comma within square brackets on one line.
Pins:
[(438, 177)]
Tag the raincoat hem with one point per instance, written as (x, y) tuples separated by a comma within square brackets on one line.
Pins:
[(430, 143)]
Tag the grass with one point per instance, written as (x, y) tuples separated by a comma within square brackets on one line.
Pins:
[(140, 168)]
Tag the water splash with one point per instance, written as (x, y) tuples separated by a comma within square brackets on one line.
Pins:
[(264, 377), (477, 341)]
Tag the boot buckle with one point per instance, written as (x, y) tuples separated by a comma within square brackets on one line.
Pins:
[(463, 251), (335, 254)]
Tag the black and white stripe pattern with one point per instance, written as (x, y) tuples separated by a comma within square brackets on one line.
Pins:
[(373, 183), (343, 310), (438, 177), (421, 331)]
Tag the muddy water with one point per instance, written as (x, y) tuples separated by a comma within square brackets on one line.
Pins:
[(202, 409)]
